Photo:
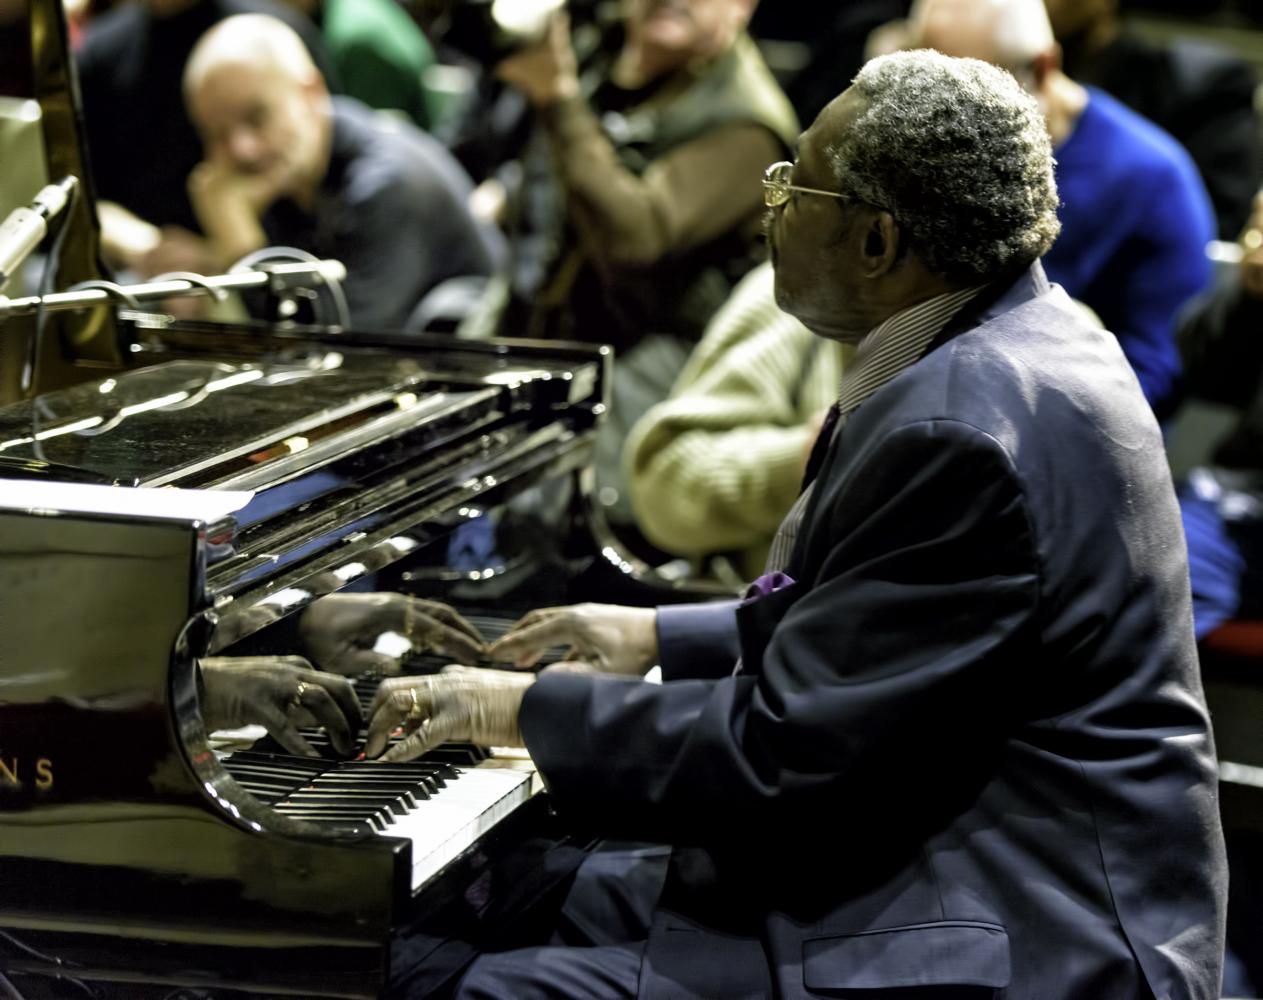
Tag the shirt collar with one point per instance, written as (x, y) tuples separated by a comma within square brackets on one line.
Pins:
[(897, 343)]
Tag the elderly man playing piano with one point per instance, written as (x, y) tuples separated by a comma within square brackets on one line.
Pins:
[(961, 747)]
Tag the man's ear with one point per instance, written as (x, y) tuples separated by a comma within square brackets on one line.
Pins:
[(879, 251), (1045, 64), (314, 88)]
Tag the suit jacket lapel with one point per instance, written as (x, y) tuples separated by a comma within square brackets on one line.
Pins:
[(996, 299)]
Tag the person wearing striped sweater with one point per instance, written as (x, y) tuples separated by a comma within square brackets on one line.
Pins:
[(714, 467)]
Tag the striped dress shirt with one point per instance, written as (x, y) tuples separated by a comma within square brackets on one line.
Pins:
[(883, 353)]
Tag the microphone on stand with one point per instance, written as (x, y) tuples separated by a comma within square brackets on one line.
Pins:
[(22, 231)]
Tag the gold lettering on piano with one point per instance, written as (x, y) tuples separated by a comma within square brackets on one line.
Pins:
[(11, 774)]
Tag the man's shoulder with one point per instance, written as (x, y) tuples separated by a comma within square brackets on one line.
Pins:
[(1028, 365), (380, 26), (1139, 148), (384, 156)]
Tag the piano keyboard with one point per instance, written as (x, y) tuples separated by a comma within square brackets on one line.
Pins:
[(443, 802), (441, 806)]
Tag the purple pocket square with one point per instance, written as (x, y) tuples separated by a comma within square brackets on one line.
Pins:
[(768, 583)]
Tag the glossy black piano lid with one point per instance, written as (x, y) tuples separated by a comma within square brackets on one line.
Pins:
[(164, 423)]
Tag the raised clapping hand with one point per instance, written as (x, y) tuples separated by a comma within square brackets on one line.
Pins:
[(546, 73), (611, 638), (460, 703), (282, 694), (340, 631)]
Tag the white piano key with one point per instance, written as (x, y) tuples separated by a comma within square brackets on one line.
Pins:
[(451, 821)]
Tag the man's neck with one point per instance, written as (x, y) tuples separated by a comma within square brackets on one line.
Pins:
[(1064, 101), (927, 286)]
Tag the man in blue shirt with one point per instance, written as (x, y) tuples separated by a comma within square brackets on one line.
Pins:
[(1135, 216)]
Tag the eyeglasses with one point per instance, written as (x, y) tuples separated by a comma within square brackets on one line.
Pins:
[(777, 188)]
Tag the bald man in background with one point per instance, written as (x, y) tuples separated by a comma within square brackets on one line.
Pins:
[(1135, 216), (287, 164), (141, 143)]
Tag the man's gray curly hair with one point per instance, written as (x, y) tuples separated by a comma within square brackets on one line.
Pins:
[(959, 154)]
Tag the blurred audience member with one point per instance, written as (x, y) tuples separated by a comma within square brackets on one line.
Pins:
[(713, 469), (1222, 507), (1135, 218), (832, 37), (141, 144), (659, 167), (1198, 92), (659, 158), (1222, 344), (380, 54), (287, 164)]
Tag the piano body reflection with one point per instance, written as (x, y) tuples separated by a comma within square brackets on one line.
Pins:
[(138, 857), (127, 845)]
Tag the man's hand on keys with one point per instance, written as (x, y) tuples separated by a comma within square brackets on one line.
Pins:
[(612, 638), (460, 703)]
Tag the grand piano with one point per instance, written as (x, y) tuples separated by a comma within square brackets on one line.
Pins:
[(170, 491)]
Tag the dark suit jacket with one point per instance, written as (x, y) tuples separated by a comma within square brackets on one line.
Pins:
[(975, 753)]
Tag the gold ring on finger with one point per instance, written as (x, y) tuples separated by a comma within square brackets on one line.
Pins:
[(297, 700), (415, 714)]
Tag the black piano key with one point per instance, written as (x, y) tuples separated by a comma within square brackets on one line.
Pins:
[(396, 804), (281, 759), (265, 793), (350, 798), (365, 779), (440, 771), (429, 783), (267, 772), (379, 819), (415, 789), (452, 754)]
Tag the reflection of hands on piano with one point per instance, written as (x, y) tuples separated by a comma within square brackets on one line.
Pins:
[(282, 694), (611, 638), (341, 632), (469, 704), (237, 623)]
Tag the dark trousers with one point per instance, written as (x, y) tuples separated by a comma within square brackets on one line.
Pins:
[(598, 944), (608, 972)]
